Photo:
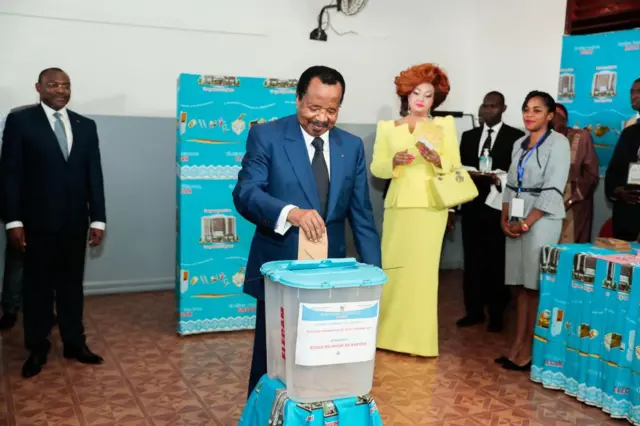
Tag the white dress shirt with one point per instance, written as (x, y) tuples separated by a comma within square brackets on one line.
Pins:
[(283, 225), (64, 116), (485, 133)]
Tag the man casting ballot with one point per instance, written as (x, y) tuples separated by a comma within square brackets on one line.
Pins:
[(302, 173)]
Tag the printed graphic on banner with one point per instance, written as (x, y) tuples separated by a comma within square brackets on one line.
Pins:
[(222, 109), (213, 240), (596, 75), (336, 333)]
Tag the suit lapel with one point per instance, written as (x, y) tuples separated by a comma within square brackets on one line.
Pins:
[(75, 130), (337, 171), (500, 138), (474, 147), (298, 156)]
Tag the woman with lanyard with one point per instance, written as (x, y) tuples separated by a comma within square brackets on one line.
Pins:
[(532, 215)]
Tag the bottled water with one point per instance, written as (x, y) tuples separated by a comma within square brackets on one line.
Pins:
[(485, 162)]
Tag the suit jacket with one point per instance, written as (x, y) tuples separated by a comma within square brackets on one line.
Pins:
[(41, 189), (276, 172), (500, 154), (625, 216)]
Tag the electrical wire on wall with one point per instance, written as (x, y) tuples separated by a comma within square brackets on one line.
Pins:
[(326, 24)]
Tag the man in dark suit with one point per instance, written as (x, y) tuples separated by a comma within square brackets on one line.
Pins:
[(12, 277), (301, 174), (624, 194), (52, 196), (482, 238)]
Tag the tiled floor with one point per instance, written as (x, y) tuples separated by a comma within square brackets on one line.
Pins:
[(153, 377)]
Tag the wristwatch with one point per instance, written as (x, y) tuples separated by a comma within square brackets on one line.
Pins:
[(524, 226)]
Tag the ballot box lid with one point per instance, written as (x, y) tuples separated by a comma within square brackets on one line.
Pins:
[(323, 274)]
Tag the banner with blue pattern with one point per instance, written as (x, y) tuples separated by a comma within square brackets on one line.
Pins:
[(585, 334), (214, 116), (596, 74)]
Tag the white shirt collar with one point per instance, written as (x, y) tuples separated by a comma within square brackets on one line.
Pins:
[(50, 111), (495, 128), (308, 139)]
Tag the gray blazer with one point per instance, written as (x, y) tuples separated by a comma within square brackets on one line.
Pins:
[(545, 175)]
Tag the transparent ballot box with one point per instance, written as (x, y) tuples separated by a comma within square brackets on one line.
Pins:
[(322, 319)]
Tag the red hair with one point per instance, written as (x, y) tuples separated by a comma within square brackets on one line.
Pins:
[(414, 76)]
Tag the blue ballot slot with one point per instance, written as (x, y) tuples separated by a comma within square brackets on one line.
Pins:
[(322, 321)]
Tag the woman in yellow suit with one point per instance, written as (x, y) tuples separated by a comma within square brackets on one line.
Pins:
[(411, 151)]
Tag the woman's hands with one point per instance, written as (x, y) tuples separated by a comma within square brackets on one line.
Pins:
[(511, 229), (430, 155), (402, 158)]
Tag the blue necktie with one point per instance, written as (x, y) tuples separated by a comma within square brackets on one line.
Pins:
[(61, 135)]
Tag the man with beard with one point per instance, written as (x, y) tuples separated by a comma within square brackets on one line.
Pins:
[(482, 238), (52, 195), (302, 174)]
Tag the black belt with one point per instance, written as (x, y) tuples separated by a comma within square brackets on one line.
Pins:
[(534, 190)]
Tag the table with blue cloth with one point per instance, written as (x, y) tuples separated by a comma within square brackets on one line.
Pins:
[(269, 405), (584, 342)]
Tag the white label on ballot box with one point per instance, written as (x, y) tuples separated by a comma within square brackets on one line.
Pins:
[(336, 333), (633, 178)]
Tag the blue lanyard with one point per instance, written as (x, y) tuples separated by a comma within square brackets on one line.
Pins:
[(524, 158)]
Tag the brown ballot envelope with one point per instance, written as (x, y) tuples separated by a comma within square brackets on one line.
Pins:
[(309, 250)]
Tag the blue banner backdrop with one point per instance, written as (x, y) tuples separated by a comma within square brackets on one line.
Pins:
[(596, 74), (215, 114)]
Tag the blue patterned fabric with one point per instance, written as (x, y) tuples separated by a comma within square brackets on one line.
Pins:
[(269, 405), (585, 334)]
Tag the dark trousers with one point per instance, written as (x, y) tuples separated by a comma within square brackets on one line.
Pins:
[(259, 360), (54, 265), (626, 230), (484, 262), (12, 280)]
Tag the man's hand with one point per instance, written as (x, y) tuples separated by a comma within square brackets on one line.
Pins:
[(16, 238), (628, 195), (451, 221), (95, 237), (309, 221)]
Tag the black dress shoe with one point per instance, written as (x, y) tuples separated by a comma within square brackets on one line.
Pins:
[(7, 321), (33, 365), (82, 354), (510, 365), (495, 327), (469, 321), (502, 360)]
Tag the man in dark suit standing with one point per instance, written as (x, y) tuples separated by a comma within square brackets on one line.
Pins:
[(482, 238), (302, 174), (52, 194), (621, 185)]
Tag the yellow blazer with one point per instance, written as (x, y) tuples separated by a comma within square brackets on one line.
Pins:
[(410, 186)]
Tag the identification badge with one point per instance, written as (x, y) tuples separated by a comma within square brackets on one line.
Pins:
[(516, 208), (633, 178), (426, 143)]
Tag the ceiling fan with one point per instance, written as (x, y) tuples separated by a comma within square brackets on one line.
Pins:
[(348, 7)]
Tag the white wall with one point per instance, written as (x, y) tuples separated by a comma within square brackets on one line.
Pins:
[(124, 56)]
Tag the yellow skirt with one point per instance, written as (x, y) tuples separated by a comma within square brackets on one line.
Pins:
[(411, 247)]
